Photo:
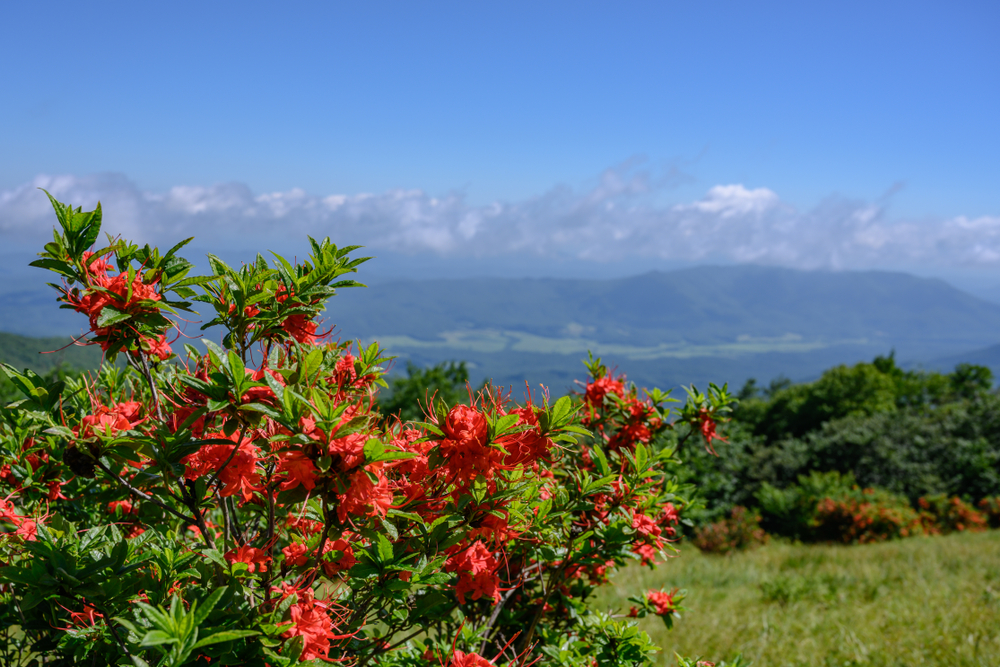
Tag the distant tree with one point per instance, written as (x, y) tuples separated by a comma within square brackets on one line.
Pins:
[(970, 380), (840, 391), (776, 385), (749, 390), (407, 396)]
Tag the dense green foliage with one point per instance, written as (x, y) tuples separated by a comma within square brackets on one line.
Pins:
[(912, 433)]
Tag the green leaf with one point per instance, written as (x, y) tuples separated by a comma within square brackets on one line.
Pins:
[(215, 353), (110, 315), (225, 636), (602, 461), (312, 363), (206, 607), (641, 456), (236, 367), (158, 638), (543, 509), (193, 280), (276, 387), (384, 549), (503, 423), (216, 557), (561, 411), (412, 516), (219, 267), (374, 449), (392, 456), (390, 529)]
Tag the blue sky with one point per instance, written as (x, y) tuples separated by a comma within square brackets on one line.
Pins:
[(834, 135)]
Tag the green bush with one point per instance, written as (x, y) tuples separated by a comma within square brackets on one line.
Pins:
[(915, 434)]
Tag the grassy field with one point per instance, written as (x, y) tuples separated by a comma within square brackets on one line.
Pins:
[(493, 341), (920, 601)]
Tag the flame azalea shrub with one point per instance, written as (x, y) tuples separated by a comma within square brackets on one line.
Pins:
[(829, 507), (990, 507), (248, 505), (941, 515), (871, 516), (740, 531), (738, 661)]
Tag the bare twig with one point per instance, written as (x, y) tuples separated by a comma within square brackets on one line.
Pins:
[(144, 496), (496, 614)]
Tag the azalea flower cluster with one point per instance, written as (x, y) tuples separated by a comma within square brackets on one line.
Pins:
[(126, 293), (252, 496)]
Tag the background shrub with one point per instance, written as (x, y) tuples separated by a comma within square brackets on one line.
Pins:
[(830, 507), (738, 532), (876, 516), (941, 514), (991, 510)]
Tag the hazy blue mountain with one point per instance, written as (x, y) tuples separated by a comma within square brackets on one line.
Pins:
[(665, 328), (700, 306), (700, 324), (987, 356)]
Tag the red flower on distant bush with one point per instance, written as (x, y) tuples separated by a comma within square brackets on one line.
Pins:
[(741, 530)]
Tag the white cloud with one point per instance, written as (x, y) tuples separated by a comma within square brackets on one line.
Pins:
[(614, 220)]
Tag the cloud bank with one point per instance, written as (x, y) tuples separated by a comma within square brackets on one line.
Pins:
[(612, 221)]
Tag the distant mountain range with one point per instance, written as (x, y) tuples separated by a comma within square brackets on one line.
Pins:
[(694, 325), (699, 324)]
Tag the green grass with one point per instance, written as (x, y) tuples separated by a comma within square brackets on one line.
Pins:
[(920, 601), (493, 341)]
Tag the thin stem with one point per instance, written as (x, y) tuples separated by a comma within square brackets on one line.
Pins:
[(405, 639), (496, 614), (148, 374), (239, 535), (199, 517), (680, 443), (226, 524), (140, 494), (114, 633), (232, 454)]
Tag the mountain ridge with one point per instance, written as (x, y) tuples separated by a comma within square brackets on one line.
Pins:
[(666, 328)]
